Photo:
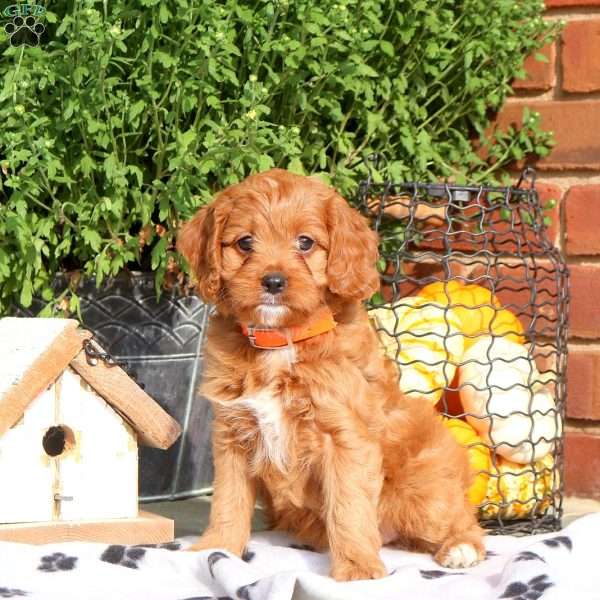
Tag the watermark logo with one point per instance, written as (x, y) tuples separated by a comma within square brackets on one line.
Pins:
[(24, 10), (24, 29)]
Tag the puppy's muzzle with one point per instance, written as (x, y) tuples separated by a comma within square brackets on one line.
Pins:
[(274, 283)]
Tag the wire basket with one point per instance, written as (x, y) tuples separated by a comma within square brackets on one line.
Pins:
[(473, 309)]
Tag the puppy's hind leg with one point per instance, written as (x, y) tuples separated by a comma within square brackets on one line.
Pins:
[(424, 499), (463, 547)]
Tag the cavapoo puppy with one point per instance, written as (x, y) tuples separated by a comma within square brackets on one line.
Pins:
[(308, 415)]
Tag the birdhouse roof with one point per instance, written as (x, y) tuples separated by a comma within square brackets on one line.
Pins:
[(34, 352)]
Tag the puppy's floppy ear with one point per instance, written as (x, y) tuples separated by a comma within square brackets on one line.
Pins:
[(199, 241), (353, 253)]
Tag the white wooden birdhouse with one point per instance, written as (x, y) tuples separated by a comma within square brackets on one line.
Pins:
[(69, 433)]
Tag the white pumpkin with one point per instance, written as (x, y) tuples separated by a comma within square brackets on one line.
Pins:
[(508, 405), (426, 342)]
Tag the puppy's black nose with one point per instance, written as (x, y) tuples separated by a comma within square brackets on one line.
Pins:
[(274, 283)]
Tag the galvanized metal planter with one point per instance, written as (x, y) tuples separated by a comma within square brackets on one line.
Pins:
[(161, 342)]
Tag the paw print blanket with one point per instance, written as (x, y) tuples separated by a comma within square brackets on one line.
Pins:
[(554, 566)]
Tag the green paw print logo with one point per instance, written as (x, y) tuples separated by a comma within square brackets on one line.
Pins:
[(24, 31)]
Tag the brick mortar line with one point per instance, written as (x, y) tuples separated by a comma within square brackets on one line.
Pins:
[(582, 426), (554, 94), (583, 260), (567, 98), (537, 95), (574, 96), (563, 177), (562, 223), (571, 13), (580, 346), (558, 71), (582, 342)]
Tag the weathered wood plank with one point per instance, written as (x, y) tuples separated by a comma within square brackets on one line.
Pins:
[(154, 426), (26, 473), (33, 353), (98, 474), (146, 528)]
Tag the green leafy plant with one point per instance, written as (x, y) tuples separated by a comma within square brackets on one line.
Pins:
[(128, 116)]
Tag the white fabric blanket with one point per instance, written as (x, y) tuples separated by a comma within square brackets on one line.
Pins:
[(561, 565)]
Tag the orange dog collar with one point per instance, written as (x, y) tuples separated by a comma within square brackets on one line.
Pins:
[(265, 338)]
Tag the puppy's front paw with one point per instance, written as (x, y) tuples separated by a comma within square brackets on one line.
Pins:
[(210, 542), (347, 570), (460, 556)]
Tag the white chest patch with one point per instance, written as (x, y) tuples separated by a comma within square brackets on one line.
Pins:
[(267, 410)]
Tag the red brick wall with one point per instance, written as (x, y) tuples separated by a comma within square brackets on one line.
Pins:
[(566, 92)]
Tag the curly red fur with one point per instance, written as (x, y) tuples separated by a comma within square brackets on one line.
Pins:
[(339, 456)]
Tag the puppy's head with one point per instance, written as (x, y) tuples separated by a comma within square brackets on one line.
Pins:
[(276, 247)]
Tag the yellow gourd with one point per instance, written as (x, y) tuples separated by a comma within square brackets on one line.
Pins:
[(424, 340), (479, 457), (475, 320), (520, 488)]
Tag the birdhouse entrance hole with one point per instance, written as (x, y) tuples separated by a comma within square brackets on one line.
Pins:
[(57, 440)]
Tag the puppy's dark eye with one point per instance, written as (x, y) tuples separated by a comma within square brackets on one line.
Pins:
[(245, 243), (305, 243)]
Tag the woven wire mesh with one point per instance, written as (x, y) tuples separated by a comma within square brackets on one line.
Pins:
[(473, 309)]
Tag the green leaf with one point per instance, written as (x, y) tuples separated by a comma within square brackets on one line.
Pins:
[(164, 59), (92, 238), (159, 252), (213, 101), (26, 296), (136, 109), (245, 14), (387, 47), (185, 139), (135, 170), (87, 164), (163, 13), (468, 59), (110, 166), (295, 166), (265, 162)]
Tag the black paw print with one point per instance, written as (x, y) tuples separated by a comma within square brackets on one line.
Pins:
[(302, 547), (57, 562), (528, 555), (209, 598), (24, 31), (558, 541), (435, 574), (125, 556), (532, 590), (161, 546), (248, 555), (213, 558), (11, 592), (243, 593)]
